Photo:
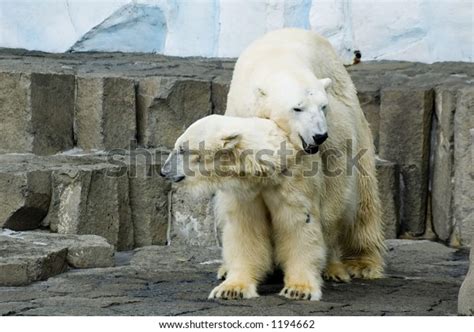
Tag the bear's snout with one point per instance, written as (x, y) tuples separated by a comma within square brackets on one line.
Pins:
[(319, 139)]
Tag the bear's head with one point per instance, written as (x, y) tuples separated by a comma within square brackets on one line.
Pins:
[(297, 101), (221, 150)]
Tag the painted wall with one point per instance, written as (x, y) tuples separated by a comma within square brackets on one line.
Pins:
[(414, 30)]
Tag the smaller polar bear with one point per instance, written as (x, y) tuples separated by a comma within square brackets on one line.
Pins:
[(252, 158)]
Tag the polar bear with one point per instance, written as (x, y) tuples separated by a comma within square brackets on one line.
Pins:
[(251, 158), (294, 78)]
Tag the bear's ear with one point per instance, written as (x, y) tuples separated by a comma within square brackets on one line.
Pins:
[(229, 141), (326, 82)]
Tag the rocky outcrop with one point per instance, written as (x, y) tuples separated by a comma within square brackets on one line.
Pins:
[(466, 293), (83, 136), (30, 256)]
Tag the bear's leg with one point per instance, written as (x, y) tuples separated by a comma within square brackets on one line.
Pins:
[(247, 248), (364, 240), (222, 272), (335, 270), (300, 251)]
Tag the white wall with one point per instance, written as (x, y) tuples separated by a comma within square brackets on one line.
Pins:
[(415, 30)]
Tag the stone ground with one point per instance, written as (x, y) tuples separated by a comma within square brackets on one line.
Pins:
[(423, 278)]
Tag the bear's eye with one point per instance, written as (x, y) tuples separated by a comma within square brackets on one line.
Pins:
[(297, 109), (323, 108)]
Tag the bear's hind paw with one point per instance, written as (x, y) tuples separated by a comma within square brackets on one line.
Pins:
[(364, 269), (336, 272)]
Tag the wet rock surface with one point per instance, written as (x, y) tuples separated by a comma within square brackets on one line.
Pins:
[(160, 280)]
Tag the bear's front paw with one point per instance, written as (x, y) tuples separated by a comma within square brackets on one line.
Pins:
[(336, 272), (234, 290), (301, 292)]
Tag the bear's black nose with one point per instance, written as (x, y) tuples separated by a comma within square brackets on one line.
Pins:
[(319, 139)]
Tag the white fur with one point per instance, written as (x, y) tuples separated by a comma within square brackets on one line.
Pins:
[(273, 211), (287, 69)]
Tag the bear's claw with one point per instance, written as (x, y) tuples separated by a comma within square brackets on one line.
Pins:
[(364, 269), (336, 272), (233, 291), (297, 292)]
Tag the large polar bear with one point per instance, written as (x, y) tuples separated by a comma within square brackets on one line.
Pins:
[(295, 78), (251, 158)]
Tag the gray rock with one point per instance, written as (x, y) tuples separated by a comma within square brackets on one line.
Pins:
[(466, 293), (176, 280), (192, 219), (36, 112), (86, 200), (29, 256), (423, 258), (24, 198), (148, 197), (105, 113), (370, 103), (388, 177), (405, 123), (219, 90), (83, 251), (177, 258), (23, 262), (126, 234), (442, 184), (167, 106), (463, 161)]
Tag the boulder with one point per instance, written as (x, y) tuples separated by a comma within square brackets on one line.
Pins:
[(370, 103), (24, 197), (219, 90), (405, 123), (466, 293), (29, 256), (442, 184), (105, 113), (167, 106), (22, 262), (88, 199), (148, 197), (36, 112), (463, 193), (192, 219), (388, 177)]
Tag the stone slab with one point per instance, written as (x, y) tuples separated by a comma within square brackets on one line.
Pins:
[(442, 184), (466, 292), (219, 90), (30, 256), (24, 198), (388, 177), (167, 106), (22, 262), (105, 116), (36, 112), (192, 219), (370, 103), (177, 280), (405, 124), (463, 193), (85, 200), (148, 195)]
